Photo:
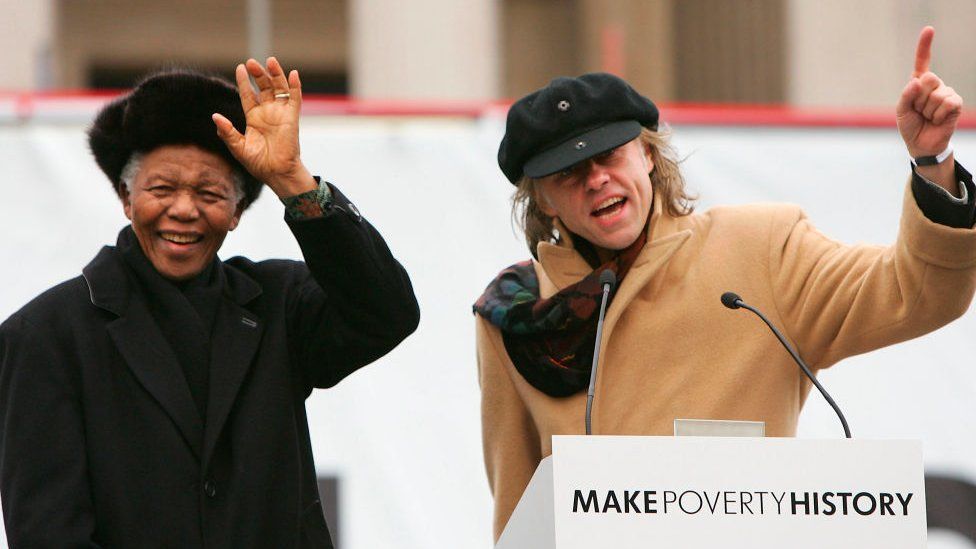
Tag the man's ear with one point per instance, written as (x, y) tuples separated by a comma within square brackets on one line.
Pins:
[(648, 157), (544, 205), (237, 217), (126, 203)]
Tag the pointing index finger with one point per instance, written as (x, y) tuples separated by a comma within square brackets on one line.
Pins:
[(923, 52)]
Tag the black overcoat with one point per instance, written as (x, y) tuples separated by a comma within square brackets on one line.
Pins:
[(101, 444)]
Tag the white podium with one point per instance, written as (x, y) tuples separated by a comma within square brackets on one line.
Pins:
[(698, 492)]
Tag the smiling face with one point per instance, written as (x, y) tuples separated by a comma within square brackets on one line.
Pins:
[(182, 203), (605, 199)]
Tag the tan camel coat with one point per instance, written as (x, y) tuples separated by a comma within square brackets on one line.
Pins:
[(671, 350)]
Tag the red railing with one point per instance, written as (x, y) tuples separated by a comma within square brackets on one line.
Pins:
[(81, 105)]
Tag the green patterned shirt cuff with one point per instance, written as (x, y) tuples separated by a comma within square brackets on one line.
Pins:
[(309, 204)]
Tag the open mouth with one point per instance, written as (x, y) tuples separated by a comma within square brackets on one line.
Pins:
[(609, 206), (181, 238)]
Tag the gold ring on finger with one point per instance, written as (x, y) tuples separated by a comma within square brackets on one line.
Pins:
[(284, 95)]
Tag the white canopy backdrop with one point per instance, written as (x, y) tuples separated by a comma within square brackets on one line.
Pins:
[(403, 435)]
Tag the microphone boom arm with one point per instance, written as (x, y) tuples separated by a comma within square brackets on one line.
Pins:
[(803, 366)]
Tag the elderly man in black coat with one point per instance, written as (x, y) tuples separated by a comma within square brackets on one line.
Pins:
[(157, 400)]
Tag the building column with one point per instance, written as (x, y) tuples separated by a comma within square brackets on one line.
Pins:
[(424, 49), (25, 39)]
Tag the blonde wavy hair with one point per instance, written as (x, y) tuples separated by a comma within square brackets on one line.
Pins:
[(666, 180)]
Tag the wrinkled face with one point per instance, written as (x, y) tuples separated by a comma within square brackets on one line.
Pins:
[(605, 199), (182, 204)]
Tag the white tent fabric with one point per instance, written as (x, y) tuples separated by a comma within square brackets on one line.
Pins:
[(403, 434)]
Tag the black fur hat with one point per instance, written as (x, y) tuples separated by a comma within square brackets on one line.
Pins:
[(170, 107)]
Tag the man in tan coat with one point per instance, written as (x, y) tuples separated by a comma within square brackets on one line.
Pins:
[(598, 188)]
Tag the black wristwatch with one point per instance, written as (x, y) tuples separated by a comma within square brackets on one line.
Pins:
[(933, 160)]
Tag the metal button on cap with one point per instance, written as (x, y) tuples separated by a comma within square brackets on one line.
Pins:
[(580, 145), (210, 488), (563, 105)]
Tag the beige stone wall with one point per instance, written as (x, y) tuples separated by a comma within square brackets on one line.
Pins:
[(841, 53), (307, 34), (424, 49), (863, 54), (633, 39), (729, 52), (25, 38), (689, 50), (854, 54), (538, 43), (543, 39), (850, 60), (811, 53)]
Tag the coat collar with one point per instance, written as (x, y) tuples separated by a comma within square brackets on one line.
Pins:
[(109, 287), (560, 265), (237, 334)]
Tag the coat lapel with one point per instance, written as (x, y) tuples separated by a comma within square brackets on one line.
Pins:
[(142, 346), (664, 238), (560, 265), (236, 337), (654, 256), (152, 361)]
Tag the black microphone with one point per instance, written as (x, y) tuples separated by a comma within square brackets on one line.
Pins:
[(608, 280), (733, 301)]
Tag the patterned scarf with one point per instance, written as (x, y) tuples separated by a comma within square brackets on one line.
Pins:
[(550, 341)]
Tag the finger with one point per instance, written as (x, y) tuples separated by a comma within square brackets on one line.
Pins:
[(908, 95), (295, 87), (930, 82), (229, 134), (262, 79), (948, 111), (277, 74), (244, 88), (923, 51), (936, 98)]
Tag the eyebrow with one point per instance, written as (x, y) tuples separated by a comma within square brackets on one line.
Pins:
[(167, 177), (206, 179)]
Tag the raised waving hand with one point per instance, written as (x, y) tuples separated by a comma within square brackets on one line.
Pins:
[(269, 147)]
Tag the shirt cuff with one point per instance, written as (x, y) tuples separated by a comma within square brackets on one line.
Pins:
[(946, 194), (313, 203), (938, 204)]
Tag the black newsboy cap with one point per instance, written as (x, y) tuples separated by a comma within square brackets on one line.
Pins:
[(170, 107), (570, 120)]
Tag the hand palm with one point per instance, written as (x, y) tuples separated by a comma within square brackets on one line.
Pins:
[(270, 143), (269, 148)]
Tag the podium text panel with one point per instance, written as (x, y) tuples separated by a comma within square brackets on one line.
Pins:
[(624, 492)]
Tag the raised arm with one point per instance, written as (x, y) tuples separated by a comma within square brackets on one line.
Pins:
[(354, 302)]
